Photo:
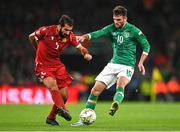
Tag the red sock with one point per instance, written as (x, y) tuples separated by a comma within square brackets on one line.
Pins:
[(57, 99), (52, 114)]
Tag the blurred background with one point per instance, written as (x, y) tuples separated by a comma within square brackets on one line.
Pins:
[(158, 19)]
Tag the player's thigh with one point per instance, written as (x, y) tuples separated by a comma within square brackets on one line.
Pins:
[(50, 83), (98, 87), (107, 76), (63, 78), (124, 76), (122, 81), (47, 77)]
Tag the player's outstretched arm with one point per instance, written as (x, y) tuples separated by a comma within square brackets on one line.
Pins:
[(84, 52), (83, 38), (33, 40)]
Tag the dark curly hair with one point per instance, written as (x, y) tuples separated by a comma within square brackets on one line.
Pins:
[(65, 19), (120, 11)]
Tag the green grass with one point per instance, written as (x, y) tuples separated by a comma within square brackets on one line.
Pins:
[(131, 116)]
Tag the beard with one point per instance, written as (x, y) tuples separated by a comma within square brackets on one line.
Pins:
[(119, 25), (62, 35)]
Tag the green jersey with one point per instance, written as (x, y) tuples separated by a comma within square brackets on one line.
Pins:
[(124, 41)]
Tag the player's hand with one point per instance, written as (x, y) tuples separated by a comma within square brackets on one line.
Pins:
[(81, 38), (88, 57), (141, 68)]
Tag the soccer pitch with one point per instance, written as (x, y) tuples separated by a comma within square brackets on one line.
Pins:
[(134, 116)]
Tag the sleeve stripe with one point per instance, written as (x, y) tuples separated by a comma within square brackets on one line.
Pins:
[(36, 38), (79, 45), (89, 36), (145, 53)]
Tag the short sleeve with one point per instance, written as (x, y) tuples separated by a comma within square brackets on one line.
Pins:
[(41, 32), (73, 40)]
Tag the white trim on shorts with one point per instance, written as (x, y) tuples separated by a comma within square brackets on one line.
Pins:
[(111, 72)]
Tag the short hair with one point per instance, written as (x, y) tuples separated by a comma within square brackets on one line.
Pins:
[(120, 11), (65, 19)]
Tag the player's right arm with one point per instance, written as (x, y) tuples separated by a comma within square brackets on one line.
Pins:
[(33, 40), (37, 35), (80, 47), (84, 52), (96, 34)]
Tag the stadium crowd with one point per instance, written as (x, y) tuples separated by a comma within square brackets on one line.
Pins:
[(158, 19)]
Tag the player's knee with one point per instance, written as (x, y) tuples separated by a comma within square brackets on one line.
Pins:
[(121, 85), (95, 91), (52, 85), (53, 88), (122, 82)]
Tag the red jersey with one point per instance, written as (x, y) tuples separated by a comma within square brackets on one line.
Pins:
[(50, 46)]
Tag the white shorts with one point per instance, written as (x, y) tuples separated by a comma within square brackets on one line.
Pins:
[(111, 72)]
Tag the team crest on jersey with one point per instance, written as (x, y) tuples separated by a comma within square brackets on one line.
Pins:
[(64, 40), (126, 34)]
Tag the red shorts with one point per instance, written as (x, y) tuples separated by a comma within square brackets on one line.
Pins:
[(59, 73)]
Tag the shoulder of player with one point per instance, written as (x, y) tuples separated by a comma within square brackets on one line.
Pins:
[(51, 27), (43, 28), (133, 28), (110, 27), (71, 36)]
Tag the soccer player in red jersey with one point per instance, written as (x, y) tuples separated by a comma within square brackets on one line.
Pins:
[(49, 42)]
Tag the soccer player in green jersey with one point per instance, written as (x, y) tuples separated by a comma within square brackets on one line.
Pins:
[(124, 38)]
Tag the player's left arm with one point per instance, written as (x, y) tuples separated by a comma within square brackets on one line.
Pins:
[(140, 64), (142, 40), (80, 48)]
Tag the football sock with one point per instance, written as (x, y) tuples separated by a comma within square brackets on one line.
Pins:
[(57, 99), (52, 114), (119, 95), (91, 102)]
